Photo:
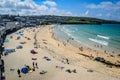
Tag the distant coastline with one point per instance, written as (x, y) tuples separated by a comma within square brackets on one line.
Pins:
[(53, 19)]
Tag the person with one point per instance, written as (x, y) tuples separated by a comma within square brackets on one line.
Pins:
[(74, 71), (18, 71), (28, 67), (36, 65), (67, 61), (33, 65)]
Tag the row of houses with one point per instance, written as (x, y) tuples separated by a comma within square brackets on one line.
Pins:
[(5, 28), (8, 24), (13, 22), (2, 37)]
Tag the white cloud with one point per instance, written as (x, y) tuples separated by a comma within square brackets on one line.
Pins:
[(87, 12), (50, 3), (14, 4), (105, 6), (106, 10), (42, 8), (29, 7), (99, 15)]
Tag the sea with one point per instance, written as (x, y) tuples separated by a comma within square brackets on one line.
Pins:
[(104, 38)]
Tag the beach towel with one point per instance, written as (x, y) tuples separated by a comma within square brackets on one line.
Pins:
[(19, 47), (33, 52), (21, 34), (60, 67), (43, 72), (18, 37), (7, 51), (22, 42), (70, 71), (46, 58), (25, 37), (89, 70), (34, 58)]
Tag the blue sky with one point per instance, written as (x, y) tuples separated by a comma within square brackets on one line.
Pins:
[(105, 9)]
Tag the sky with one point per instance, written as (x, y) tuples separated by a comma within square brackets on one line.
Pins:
[(104, 9)]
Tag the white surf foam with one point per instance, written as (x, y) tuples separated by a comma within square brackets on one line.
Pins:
[(99, 41), (104, 37), (67, 32), (77, 40)]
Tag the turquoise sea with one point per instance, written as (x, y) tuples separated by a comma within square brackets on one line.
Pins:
[(98, 37)]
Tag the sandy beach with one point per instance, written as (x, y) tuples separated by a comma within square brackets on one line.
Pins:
[(57, 60)]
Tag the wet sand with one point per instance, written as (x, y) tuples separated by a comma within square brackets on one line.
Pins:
[(64, 61)]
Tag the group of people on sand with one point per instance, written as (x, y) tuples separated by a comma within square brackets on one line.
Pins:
[(35, 65), (81, 48)]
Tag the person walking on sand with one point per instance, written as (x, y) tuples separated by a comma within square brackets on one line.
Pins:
[(36, 65), (18, 71), (33, 65), (67, 61)]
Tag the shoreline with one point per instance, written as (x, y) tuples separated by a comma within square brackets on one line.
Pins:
[(81, 47), (108, 57), (95, 53), (66, 56), (68, 34)]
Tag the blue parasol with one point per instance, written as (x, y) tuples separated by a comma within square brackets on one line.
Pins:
[(24, 70)]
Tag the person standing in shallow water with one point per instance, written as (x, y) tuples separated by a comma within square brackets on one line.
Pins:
[(18, 71)]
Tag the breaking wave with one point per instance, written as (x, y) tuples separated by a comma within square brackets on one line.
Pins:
[(99, 41), (104, 37)]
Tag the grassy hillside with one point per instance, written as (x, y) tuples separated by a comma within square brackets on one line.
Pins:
[(75, 20)]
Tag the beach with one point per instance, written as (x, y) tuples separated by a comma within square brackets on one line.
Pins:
[(57, 60)]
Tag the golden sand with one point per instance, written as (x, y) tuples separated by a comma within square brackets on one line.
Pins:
[(66, 62)]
